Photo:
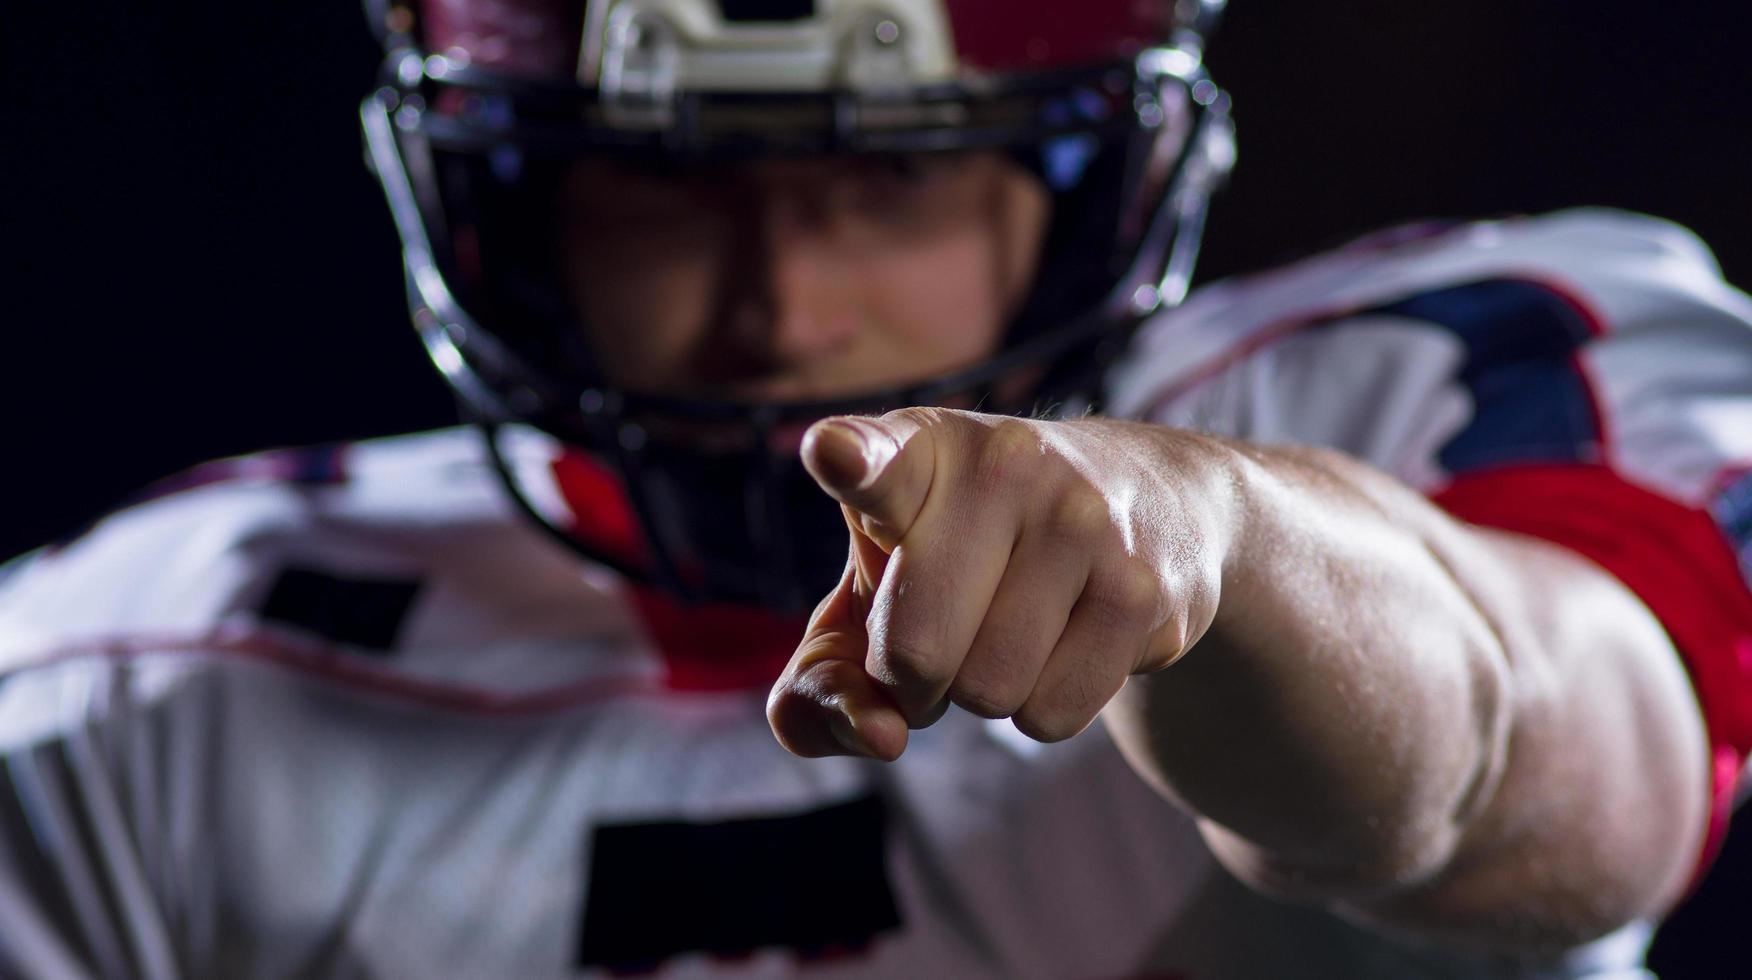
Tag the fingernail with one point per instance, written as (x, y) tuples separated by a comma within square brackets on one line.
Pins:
[(844, 732), (846, 453), (836, 452)]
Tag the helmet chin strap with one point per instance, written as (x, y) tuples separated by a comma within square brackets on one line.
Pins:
[(663, 576)]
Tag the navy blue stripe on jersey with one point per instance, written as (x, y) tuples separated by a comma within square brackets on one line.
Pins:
[(1531, 402), (364, 613), (306, 466), (1732, 510), (728, 888), (317, 466)]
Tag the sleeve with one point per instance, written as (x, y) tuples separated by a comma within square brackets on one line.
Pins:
[(1648, 476), (1587, 381), (75, 899)]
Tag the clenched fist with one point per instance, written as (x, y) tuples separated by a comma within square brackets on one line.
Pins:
[(1018, 569)]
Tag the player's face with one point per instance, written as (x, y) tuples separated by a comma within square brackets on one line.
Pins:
[(799, 279)]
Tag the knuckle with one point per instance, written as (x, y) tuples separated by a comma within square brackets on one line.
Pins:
[(985, 698), (904, 665), (1047, 725), (919, 416), (1007, 445), (1129, 595), (1065, 706), (1079, 513)]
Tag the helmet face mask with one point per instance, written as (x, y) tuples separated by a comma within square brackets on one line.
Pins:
[(474, 157)]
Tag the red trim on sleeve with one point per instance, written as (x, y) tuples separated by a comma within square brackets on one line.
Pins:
[(1674, 557)]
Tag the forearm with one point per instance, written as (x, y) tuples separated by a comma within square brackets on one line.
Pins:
[(1383, 700), (1346, 705)]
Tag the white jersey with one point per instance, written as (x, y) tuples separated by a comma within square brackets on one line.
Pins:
[(342, 713)]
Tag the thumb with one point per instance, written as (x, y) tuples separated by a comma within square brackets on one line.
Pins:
[(825, 703), (881, 468)]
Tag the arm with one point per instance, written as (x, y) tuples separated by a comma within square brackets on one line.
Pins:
[(1447, 729), (1367, 704)]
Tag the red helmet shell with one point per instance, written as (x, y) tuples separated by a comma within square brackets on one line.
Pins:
[(1002, 36), (543, 38), (532, 38)]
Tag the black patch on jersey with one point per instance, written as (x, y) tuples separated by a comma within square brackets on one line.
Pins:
[(814, 882), (364, 613), (742, 11)]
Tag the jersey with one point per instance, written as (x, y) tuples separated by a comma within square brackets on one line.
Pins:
[(344, 713)]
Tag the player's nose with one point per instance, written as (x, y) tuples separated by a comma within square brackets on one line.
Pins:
[(803, 305)]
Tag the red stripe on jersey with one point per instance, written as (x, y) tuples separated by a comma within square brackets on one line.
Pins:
[(705, 647), (716, 646), (344, 669), (1674, 557), (601, 516)]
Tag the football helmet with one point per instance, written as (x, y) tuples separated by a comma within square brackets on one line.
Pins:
[(485, 104)]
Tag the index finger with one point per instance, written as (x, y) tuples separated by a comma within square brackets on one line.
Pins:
[(880, 468)]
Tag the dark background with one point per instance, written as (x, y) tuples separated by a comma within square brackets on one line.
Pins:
[(194, 262)]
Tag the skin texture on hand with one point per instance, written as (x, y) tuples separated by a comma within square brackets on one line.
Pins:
[(1473, 736), (1018, 569)]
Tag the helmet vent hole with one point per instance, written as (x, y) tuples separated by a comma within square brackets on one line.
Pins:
[(758, 11)]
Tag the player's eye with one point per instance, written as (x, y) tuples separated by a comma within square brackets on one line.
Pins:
[(910, 168), (638, 188), (904, 181), (915, 169)]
